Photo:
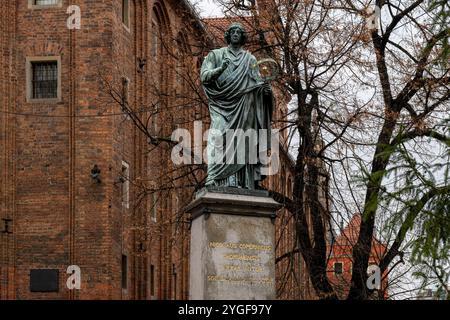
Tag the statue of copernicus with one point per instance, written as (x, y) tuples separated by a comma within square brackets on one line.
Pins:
[(238, 99)]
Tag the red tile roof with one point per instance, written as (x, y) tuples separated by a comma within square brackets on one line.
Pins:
[(217, 27), (350, 234)]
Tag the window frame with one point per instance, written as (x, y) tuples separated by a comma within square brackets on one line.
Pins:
[(126, 94), (155, 39), (154, 208), (32, 5), (29, 79), (334, 269), (125, 185), (127, 17)]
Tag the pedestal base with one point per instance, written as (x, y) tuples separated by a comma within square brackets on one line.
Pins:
[(232, 245)]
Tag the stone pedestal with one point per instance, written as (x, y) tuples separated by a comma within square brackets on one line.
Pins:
[(232, 245)]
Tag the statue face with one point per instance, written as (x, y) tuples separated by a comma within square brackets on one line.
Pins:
[(236, 36)]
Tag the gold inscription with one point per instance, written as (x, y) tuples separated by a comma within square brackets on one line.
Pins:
[(231, 267), (240, 280), (241, 257), (243, 246), (241, 268)]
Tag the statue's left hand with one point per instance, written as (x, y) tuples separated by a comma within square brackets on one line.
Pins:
[(267, 89)]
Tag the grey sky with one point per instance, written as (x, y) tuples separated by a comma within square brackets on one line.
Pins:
[(208, 8)]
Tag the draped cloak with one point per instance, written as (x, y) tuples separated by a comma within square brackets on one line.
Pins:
[(236, 101)]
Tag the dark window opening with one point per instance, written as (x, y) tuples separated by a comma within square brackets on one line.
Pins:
[(338, 268), (126, 13), (44, 280), (174, 273), (152, 280), (45, 80), (124, 272), (45, 2)]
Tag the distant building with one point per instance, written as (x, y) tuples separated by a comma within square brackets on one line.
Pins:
[(340, 263)]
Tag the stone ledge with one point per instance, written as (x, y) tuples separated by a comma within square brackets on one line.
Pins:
[(217, 200), (231, 190)]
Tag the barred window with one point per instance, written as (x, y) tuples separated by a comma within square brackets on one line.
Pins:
[(44, 80), (45, 2)]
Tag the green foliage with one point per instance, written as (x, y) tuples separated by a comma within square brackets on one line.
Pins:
[(422, 195), (441, 21)]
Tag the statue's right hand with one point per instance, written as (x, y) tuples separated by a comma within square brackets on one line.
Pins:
[(226, 62)]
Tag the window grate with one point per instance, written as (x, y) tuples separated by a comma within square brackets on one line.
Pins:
[(45, 2), (45, 80)]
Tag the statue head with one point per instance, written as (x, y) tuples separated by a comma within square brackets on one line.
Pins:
[(233, 27)]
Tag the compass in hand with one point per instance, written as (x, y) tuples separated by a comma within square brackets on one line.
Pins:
[(268, 69)]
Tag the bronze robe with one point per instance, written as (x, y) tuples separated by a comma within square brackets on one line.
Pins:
[(236, 101)]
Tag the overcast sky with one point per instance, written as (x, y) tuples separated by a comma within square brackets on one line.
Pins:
[(207, 8)]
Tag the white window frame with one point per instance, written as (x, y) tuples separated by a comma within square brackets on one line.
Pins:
[(32, 5), (29, 79)]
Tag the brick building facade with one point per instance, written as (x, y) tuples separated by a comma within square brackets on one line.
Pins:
[(81, 183), (340, 263)]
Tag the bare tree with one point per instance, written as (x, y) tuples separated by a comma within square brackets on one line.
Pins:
[(367, 82), (370, 99)]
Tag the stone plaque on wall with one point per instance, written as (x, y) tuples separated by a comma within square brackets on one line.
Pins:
[(44, 280)]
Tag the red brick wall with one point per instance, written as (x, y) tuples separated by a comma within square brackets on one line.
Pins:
[(61, 216), (7, 139), (343, 254)]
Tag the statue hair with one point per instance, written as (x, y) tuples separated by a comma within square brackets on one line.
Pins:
[(236, 26)]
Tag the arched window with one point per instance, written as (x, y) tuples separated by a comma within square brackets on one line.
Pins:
[(126, 13), (159, 75), (289, 187), (283, 181), (155, 37), (181, 55)]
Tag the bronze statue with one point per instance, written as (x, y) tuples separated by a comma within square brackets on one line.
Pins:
[(239, 101)]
